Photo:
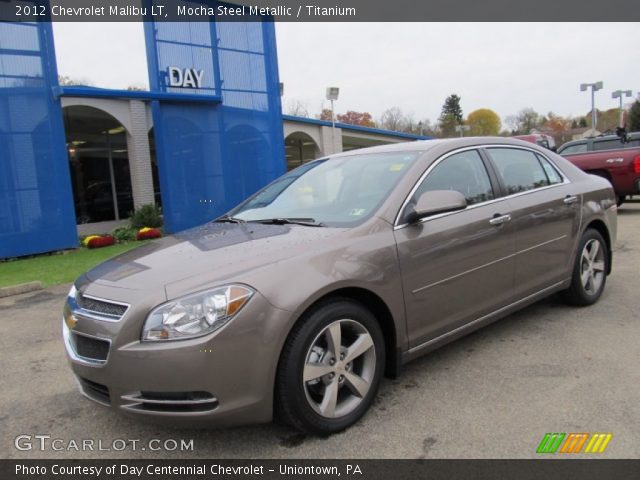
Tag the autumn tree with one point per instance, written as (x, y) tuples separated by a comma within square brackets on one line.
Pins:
[(451, 115), (325, 115), (357, 118), (608, 120), (634, 117), (557, 126), (484, 122)]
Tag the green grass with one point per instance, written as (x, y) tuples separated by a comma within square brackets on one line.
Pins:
[(58, 268)]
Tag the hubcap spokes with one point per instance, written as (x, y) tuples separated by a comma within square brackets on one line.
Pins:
[(592, 266), (339, 368)]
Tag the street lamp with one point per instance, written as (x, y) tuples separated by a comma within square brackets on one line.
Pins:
[(332, 95), (594, 88), (619, 94)]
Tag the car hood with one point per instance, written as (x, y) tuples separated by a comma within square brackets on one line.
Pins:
[(213, 252)]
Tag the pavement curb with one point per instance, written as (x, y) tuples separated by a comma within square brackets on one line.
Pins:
[(21, 288)]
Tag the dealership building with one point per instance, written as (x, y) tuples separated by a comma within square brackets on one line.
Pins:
[(208, 133)]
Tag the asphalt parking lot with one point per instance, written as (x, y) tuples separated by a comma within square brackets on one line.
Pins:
[(493, 394)]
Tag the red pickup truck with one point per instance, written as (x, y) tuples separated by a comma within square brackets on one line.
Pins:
[(620, 166)]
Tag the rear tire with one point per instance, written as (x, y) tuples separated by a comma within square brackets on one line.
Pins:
[(620, 199), (330, 368), (589, 270)]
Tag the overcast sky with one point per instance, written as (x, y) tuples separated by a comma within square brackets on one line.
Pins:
[(502, 66)]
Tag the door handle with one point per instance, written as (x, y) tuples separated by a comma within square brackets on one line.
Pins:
[(499, 219), (569, 199)]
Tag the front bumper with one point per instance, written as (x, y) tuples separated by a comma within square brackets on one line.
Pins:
[(222, 379)]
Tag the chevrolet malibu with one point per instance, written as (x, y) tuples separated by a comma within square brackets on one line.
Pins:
[(295, 303)]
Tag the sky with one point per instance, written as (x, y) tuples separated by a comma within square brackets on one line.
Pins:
[(414, 66)]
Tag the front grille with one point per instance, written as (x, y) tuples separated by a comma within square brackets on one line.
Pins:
[(101, 307), (171, 402), (91, 348), (95, 391)]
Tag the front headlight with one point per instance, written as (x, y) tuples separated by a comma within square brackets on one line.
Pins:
[(195, 315)]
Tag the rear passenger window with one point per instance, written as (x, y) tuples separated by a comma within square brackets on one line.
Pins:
[(463, 172), (552, 174), (520, 169), (579, 148), (608, 144)]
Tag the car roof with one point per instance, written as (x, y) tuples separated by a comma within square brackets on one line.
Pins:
[(426, 145)]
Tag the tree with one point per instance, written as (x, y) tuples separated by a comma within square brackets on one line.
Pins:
[(67, 81), (392, 119), (558, 127), (525, 121), (297, 109), (451, 115), (357, 118), (608, 120), (484, 122), (325, 115), (634, 117)]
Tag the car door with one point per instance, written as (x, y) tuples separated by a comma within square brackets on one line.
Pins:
[(545, 212), (456, 266)]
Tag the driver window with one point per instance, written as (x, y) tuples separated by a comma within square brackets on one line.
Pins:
[(463, 172)]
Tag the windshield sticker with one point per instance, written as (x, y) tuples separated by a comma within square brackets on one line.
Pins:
[(396, 167), (357, 212)]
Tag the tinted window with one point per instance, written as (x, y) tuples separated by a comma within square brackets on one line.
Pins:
[(552, 174), (463, 172), (578, 148), (520, 169), (608, 144)]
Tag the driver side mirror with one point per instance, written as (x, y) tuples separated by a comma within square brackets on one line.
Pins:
[(434, 202)]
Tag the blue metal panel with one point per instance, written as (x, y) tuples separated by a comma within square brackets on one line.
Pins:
[(211, 157), (36, 203)]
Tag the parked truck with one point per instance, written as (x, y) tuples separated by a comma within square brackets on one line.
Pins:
[(620, 166)]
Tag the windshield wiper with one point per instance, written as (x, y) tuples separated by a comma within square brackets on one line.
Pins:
[(307, 222), (229, 219)]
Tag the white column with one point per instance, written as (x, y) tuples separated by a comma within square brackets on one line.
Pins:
[(140, 155), (330, 143)]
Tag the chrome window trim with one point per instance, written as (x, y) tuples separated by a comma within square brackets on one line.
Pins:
[(565, 181)]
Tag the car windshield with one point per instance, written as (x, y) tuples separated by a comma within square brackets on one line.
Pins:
[(341, 191)]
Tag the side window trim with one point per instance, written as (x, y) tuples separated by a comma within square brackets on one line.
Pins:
[(564, 178), (488, 167), (499, 188)]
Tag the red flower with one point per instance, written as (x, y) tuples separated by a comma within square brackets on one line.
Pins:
[(99, 242), (147, 233)]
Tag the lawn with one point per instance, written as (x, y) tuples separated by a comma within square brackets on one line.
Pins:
[(58, 268)]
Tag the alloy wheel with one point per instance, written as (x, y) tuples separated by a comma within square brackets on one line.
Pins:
[(339, 368), (592, 266)]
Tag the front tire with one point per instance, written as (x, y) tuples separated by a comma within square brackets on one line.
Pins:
[(589, 270), (330, 368)]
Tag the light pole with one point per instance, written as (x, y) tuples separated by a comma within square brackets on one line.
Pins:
[(619, 94), (420, 130), (594, 88), (332, 95), (462, 128)]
